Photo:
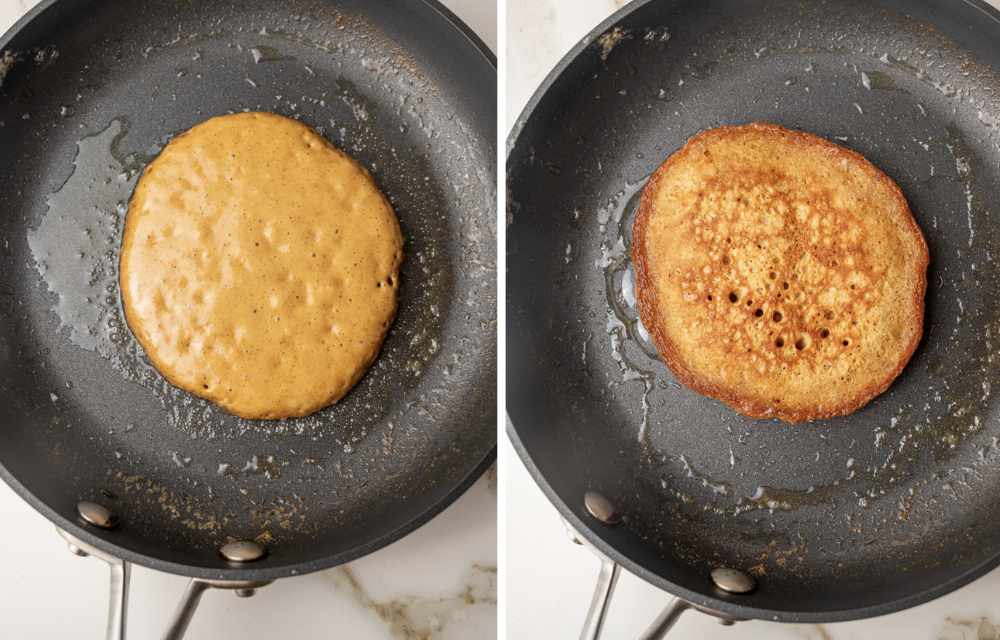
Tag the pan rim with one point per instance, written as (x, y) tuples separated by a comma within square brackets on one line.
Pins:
[(585, 529), (88, 535), (435, 5), (728, 606), (274, 572)]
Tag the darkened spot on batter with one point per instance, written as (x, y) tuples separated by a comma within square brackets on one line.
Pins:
[(780, 342), (758, 312), (776, 316), (734, 297), (824, 333)]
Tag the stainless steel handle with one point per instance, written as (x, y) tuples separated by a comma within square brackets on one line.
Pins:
[(725, 579), (192, 598), (666, 620), (185, 610), (601, 601), (121, 574)]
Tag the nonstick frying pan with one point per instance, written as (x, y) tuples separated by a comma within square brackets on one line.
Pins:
[(89, 92), (834, 520)]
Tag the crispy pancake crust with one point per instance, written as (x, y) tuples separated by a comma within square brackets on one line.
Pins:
[(778, 272), (259, 266)]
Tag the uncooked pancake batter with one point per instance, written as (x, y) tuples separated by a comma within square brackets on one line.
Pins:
[(260, 266)]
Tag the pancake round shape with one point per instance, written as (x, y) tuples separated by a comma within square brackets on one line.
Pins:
[(778, 272), (259, 266)]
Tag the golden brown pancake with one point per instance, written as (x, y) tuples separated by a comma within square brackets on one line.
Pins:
[(779, 272), (259, 266)]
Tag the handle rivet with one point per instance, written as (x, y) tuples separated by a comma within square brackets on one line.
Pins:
[(732, 580), (97, 515), (242, 551), (601, 508)]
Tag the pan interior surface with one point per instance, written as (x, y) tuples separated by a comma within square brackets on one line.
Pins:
[(89, 93), (837, 519)]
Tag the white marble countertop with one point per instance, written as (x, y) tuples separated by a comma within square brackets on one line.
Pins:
[(438, 583), (548, 580)]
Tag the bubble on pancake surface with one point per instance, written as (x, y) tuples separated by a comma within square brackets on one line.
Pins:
[(788, 305)]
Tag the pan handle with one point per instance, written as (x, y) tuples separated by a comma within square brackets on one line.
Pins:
[(599, 604), (185, 610), (192, 597), (725, 579), (121, 574), (666, 620)]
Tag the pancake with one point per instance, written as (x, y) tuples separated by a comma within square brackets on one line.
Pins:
[(778, 272), (259, 266)]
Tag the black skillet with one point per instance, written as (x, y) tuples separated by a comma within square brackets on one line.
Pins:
[(836, 520), (89, 92)]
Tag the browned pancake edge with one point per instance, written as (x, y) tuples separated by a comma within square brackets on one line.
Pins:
[(650, 310)]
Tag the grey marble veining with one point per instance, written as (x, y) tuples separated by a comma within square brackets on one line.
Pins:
[(423, 617)]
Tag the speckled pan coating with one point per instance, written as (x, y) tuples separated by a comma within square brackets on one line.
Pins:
[(402, 87), (850, 516)]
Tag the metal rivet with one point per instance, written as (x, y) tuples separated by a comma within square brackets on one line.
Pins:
[(601, 508), (733, 581), (76, 551), (245, 593), (97, 515), (242, 551), (726, 622)]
